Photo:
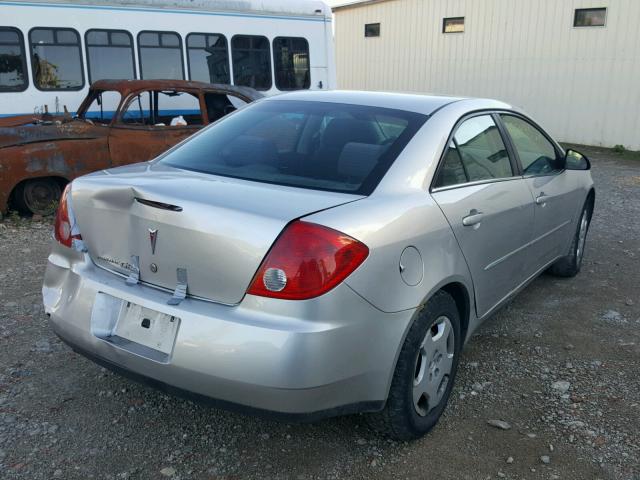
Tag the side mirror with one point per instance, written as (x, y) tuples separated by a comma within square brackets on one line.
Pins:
[(574, 160)]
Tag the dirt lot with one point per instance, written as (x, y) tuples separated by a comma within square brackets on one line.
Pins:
[(61, 416)]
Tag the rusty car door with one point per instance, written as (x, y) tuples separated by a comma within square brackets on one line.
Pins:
[(151, 122)]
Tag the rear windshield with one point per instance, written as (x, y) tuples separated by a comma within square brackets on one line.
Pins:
[(324, 146)]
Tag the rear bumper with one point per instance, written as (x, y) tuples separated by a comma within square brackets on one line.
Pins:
[(299, 360)]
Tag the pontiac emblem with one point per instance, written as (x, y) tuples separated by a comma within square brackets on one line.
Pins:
[(153, 236)]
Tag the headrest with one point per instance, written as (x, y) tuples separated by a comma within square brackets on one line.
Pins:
[(247, 150), (340, 131), (357, 160)]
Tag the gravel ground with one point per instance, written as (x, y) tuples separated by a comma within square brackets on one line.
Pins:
[(560, 365)]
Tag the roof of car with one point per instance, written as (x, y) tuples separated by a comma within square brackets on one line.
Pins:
[(127, 86), (424, 104)]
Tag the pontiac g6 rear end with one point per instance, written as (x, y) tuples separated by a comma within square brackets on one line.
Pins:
[(318, 253)]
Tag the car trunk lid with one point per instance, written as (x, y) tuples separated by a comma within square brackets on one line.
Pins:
[(217, 229)]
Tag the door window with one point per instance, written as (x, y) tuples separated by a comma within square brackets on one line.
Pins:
[(537, 154), (476, 153), (291, 59), (165, 108)]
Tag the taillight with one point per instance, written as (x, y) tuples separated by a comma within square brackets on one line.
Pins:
[(65, 230), (306, 261)]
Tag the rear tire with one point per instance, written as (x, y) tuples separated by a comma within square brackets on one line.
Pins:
[(570, 265), (38, 196), (425, 372)]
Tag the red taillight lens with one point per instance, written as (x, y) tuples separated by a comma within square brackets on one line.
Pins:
[(306, 261), (65, 223)]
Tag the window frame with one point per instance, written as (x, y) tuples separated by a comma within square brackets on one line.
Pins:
[(575, 16), (559, 151), (160, 32), (275, 75), (372, 24), (270, 56), (79, 45), (23, 51), (516, 169), (109, 32), (444, 24), (228, 49)]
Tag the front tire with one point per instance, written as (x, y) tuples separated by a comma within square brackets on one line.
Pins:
[(425, 372), (38, 196), (570, 265)]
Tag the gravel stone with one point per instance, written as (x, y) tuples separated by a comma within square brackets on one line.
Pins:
[(501, 424)]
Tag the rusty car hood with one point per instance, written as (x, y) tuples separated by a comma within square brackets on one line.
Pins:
[(27, 133)]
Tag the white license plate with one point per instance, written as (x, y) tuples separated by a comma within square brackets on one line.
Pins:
[(147, 327)]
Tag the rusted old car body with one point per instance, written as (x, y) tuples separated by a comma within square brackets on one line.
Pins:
[(39, 154)]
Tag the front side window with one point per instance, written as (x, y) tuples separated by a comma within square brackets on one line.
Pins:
[(291, 59), (110, 55), (537, 154), (251, 61), (103, 107), (160, 55), (476, 153), (13, 64), (56, 59), (590, 17), (317, 145), (208, 58)]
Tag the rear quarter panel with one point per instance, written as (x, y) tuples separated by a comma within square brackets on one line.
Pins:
[(388, 224)]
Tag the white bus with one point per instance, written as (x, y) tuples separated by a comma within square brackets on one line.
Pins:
[(51, 51)]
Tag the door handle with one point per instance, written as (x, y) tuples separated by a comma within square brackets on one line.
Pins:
[(474, 218), (541, 199)]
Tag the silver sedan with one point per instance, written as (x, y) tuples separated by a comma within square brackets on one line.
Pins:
[(317, 253)]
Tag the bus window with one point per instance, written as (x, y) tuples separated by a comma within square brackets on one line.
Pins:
[(13, 64), (208, 58), (160, 55), (56, 59), (251, 61), (291, 62), (109, 55)]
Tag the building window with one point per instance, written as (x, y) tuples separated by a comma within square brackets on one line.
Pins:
[(251, 61), (56, 59), (372, 30), (109, 55), (208, 57), (160, 55), (291, 58), (453, 25), (13, 61), (589, 17)]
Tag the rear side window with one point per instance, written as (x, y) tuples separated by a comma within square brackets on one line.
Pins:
[(208, 57), (110, 55), (251, 61), (291, 58), (166, 108), (13, 64), (317, 145), (56, 59), (537, 154), (160, 55), (476, 153)]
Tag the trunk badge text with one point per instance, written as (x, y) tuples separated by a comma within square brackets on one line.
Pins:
[(153, 236)]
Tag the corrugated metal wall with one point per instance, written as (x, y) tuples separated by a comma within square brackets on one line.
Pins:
[(582, 84)]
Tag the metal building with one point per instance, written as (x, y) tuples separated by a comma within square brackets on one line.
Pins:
[(572, 64)]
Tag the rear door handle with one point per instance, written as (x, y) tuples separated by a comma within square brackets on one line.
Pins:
[(541, 199), (474, 218)]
